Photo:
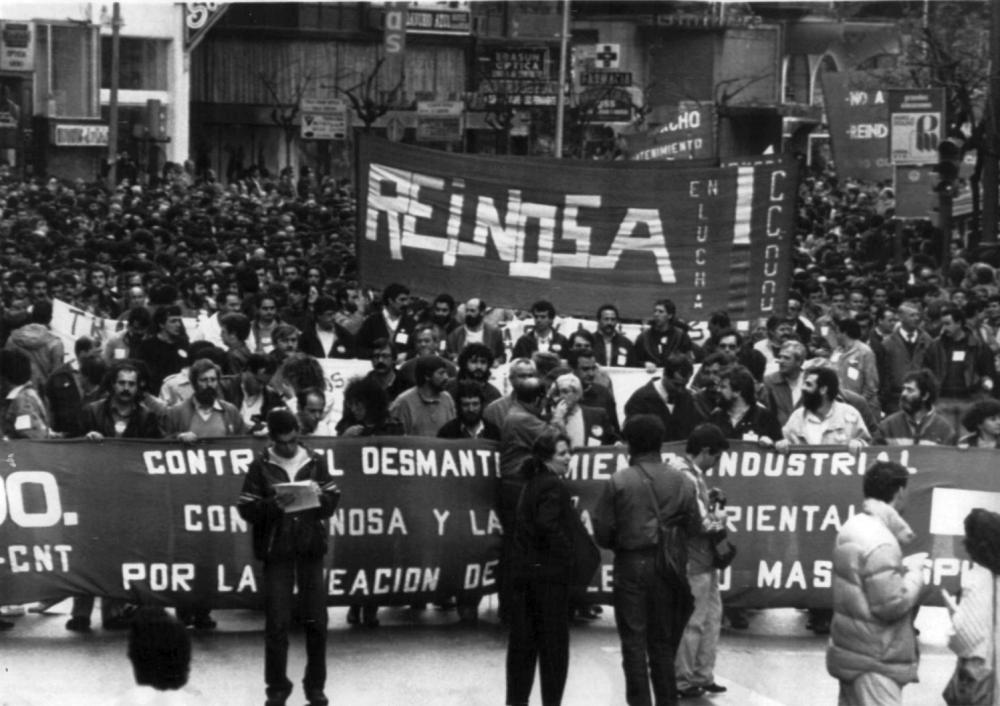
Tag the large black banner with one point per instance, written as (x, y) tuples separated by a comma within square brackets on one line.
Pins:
[(417, 519)]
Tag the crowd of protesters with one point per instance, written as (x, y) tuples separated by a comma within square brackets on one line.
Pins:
[(880, 342)]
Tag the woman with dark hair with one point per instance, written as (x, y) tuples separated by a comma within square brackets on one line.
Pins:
[(983, 422), (366, 410), (541, 574), (974, 640)]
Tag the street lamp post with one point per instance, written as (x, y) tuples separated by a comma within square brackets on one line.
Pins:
[(116, 20)]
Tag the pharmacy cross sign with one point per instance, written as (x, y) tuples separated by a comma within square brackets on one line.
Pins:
[(607, 56)]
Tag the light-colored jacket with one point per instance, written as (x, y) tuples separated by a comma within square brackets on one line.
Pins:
[(874, 594), (975, 631)]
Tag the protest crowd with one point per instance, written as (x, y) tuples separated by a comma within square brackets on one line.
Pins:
[(870, 349)]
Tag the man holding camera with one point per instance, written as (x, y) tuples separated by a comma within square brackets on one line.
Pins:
[(696, 655)]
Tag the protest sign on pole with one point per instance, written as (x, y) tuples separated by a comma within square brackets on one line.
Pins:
[(859, 128)]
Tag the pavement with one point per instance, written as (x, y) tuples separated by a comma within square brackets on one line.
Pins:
[(426, 657)]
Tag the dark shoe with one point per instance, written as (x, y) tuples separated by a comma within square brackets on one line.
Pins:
[(588, 613), (78, 623), (276, 697), (692, 692), (354, 615), (204, 622), (316, 697), (371, 616), (714, 688), (5, 625), (116, 623), (737, 620), (819, 626), (446, 604)]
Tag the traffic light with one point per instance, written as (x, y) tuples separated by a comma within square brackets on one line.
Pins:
[(949, 161), (156, 119)]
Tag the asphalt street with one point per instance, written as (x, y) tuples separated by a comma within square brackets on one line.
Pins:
[(427, 658)]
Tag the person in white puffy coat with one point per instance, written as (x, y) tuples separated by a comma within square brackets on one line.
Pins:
[(975, 631), (873, 646)]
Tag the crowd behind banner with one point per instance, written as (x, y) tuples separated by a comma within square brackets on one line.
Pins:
[(263, 270), (417, 520)]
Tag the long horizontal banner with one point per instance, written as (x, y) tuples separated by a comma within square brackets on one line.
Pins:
[(513, 230), (416, 520)]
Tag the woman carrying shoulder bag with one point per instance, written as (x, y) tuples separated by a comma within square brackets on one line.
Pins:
[(542, 572), (974, 619)]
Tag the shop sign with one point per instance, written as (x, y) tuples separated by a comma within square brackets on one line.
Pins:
[(17, 46), (606, 78), (439, 18), (68, 135), (916, 125), (324, 118), (440, 121)]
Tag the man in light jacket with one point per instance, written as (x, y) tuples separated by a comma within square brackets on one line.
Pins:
[(873, 646)]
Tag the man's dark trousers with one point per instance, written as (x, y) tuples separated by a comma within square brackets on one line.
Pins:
[(279, 580), (646, 614)]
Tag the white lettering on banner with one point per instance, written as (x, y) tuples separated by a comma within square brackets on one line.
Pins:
[(179, 462), (786, 518), (213, 518), (394, 199), (477, 575), (12, 503), (24, 558), (247, 582), (366, 521), (491, 526), (384, 580), (158, 576), (776, 576), (596, 466), (435, 463), (441, 518)]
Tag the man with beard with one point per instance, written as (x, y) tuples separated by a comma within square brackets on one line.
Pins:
[(349, 314), (469, 424), (668, 399), (166, 351), (424, 409), (475, 330), (326, 338), (442, 314), (194, 293), (738, 414), (916, 422), (663, 338), (204, 415), (297, 312), (120, 415), (611, 348), (822, 419), (474, 364)]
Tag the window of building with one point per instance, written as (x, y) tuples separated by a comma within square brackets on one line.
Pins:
[(142, 62), (67, 67)]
